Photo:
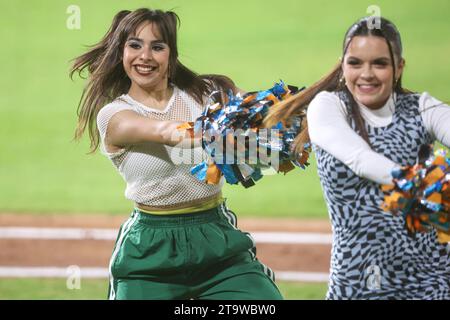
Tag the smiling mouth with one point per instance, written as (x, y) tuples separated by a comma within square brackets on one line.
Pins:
[(368, 88), (144, 69)]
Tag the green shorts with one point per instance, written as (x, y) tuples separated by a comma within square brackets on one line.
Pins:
[(187, 256)]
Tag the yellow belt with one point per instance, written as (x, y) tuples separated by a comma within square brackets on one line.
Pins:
[(209, 204)]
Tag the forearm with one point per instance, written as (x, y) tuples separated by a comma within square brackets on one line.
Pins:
[(128, 128), (354, 152), (373, 166)]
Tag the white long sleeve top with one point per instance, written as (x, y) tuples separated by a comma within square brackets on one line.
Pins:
[(330, 130)]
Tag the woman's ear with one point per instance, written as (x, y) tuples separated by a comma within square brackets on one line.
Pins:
[(401, 66)]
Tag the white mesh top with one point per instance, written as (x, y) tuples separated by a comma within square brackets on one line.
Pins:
[(153, 172)]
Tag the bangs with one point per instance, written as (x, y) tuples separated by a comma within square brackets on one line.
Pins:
[(134, 25), (141, 25)]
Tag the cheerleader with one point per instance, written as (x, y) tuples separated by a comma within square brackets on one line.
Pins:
[(181, 241), (363, 124)]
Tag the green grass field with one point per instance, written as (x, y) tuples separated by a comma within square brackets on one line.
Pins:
[(254, 42), (93, 289)]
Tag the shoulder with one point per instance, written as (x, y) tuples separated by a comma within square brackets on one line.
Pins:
[(183, 94), (326, 101), (408, 103), (110, 109), (119, 104), (188, 99), (427, 101), (326, 109), (326, 96), (408, 98)]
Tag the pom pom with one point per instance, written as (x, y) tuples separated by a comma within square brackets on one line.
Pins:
[(421, 193), (239, 147)]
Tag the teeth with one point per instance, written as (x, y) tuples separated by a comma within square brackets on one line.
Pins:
[(145, 69)]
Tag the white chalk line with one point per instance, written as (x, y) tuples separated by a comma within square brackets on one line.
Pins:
[(102, 273), (111, 234)]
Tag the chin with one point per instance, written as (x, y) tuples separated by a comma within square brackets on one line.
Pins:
[(372, 103), (145, 84)]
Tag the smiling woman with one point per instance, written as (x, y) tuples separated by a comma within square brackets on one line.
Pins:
[(362, 124), (181, 241), (146, 62), (369, 72)]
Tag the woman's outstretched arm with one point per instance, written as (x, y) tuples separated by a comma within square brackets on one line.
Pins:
[(329, 129)]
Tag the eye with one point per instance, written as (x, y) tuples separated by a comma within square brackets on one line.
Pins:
[(381, 64), (158, 47), (134, 45), (353, 62)]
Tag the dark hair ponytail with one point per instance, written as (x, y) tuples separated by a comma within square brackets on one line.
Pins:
[(296, 104)]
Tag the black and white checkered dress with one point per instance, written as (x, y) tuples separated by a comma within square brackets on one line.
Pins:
[(372, 255)]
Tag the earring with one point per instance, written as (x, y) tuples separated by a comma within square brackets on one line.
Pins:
[(395, 83)]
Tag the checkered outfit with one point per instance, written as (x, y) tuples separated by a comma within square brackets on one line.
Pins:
[(372, 255)]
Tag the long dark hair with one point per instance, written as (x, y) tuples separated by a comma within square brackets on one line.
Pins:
[(333, 81), (107, 78)]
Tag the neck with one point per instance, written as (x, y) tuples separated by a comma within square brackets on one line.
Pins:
[(154, 97), (379, 105)]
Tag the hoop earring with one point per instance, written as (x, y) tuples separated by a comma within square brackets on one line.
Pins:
[(395, 84)]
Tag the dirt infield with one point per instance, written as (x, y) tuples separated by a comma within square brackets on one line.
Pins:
[(96, 253)]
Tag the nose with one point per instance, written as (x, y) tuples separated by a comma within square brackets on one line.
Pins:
[(367, 72), (146, 54)]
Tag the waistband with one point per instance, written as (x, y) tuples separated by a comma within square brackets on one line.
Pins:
[(184, 219), (205, 204)]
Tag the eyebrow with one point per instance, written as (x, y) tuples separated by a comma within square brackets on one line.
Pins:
[(381, 59), (141, 41)]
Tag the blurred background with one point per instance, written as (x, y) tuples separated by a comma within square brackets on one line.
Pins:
[(255, 42)]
